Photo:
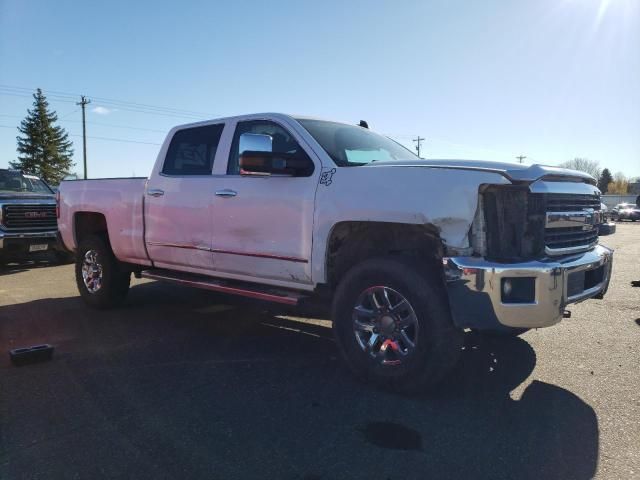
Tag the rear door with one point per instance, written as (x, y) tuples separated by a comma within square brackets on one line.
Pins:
[(178, 201)]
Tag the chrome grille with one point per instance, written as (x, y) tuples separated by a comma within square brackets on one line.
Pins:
[(29, 217), (571, 222), (563, 202), (568, 237)]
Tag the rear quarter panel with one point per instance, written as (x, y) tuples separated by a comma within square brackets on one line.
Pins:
[(121, 203)]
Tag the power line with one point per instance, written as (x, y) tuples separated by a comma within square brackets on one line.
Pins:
[(68, 114), (128, 127), (100, 124), (183, 116), (110, 139), (521, 157), (66, 96), (29, 96), (115, 139)]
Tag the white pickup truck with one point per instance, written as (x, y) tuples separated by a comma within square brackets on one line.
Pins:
[(410, 252)]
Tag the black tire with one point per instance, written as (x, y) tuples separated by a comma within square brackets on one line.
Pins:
[(438, 343), (114, 281)]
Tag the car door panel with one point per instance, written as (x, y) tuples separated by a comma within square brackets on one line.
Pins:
[(265, 229), (179, 201)]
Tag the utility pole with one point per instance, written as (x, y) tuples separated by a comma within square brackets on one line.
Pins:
[(418, 142), (84, 102), (521, 157)]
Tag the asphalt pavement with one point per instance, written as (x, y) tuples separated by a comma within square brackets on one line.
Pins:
[(180, 383)]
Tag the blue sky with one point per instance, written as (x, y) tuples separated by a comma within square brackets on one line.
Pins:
[(549, 79)]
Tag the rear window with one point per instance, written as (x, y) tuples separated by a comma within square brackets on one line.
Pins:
[(192, 151)]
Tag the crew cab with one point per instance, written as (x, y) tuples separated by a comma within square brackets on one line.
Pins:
[(409, 252), (27, 217)]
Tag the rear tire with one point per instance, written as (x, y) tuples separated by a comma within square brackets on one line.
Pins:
[(431, 345), (101, 281)]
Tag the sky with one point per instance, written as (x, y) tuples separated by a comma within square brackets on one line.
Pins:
[(548, 79)]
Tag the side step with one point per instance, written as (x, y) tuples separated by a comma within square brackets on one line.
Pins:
[(242, 289)]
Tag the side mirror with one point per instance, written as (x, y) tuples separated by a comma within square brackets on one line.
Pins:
[(258, 158), (255, 142), (267, 163)]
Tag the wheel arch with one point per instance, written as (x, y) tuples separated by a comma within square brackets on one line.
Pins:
[(351, 242), (89, 223)]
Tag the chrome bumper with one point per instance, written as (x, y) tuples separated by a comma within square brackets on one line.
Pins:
[(475, 288), (26, 237)]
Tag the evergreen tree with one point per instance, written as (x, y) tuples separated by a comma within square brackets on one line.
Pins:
[(43, 148), (605, 179)]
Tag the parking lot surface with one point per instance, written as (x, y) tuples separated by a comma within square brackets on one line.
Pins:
[(181, 383)]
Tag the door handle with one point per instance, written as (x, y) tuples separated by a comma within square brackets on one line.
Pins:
[(226, 193), (155, 192)]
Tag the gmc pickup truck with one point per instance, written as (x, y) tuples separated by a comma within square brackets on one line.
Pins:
[(409, 251), (27, 217)]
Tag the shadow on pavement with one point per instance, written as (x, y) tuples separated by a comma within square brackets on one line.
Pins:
[(181, 383), (22, 265)]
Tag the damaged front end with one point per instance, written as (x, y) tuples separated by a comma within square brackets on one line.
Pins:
[(535, 251)]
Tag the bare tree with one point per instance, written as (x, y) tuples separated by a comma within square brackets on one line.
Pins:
[(620, 185), (592, 167)]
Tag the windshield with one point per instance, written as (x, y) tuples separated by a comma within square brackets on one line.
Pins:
[(349, 145), (17, 182)]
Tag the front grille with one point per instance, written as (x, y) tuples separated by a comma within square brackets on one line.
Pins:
[(569, 239), (562, 202), (555, 238), (29, 217), (522, 225)]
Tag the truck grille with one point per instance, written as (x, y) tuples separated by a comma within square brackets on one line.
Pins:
[(521, 224), (569, 237), (562, 202), (572, 222), (29, 217)]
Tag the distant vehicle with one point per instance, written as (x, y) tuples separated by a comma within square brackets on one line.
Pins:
[(625, 211), (28, 222)]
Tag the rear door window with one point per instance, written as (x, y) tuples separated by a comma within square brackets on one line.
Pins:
[(193, 150)]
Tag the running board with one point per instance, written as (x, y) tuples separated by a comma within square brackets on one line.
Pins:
[(234, 288)]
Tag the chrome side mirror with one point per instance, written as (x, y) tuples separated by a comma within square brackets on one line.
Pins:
[(255, 142)]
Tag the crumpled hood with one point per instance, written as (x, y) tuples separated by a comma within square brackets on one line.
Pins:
[(516, 172)]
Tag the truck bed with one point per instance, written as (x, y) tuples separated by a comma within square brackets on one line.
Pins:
[(119, 200)]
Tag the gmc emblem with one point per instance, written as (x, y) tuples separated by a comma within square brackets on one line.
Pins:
[(35, 214)]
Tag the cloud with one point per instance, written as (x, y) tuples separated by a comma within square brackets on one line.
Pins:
[(101, 110)]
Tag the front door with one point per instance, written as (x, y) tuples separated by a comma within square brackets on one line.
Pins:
[(263, 224)]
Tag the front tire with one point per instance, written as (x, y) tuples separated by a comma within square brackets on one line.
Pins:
[(101, 281), (393, 326)]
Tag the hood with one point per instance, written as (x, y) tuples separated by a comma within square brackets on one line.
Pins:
[(4, 195), (515, 172)]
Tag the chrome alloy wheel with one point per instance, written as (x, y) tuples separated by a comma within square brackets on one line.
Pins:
[(92, 271), (385, 325)]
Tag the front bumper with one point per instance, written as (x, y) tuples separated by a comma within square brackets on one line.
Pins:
[(629, 216), (476, 296), (18, 243)]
